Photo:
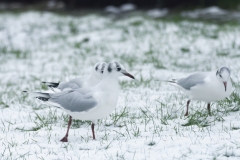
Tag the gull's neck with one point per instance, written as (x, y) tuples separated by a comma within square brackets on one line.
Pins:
[(109, 83), (92, 80)]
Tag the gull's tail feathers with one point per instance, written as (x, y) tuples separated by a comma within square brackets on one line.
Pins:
[(169, 81), (38, 94), (172, 82), (44, 97), (53, 86)]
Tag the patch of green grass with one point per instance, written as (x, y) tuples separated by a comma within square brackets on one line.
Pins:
[(42, 121), (58, 37), (31, 129), (230, 104), (184, 49), (131, 60), (79, 44), (234, 97), (136, 23), (153, 58), (3, 105), (210, 34), (73, 28), (78, 123), (235, 128), (152, 143), (19, 54), (199, 119), (117, 116), (135, 83), (222, 54)]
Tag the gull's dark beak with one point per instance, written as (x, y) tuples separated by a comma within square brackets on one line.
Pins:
[(225, 85), (127, 74)]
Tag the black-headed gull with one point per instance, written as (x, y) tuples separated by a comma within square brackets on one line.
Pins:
[(206, 86), (80, 82), (89, 103)]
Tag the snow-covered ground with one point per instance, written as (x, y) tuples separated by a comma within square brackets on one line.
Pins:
[(213, 12), (148, 122)]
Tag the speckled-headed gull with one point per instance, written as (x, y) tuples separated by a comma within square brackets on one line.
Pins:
[(206, 86), (80, 82), (90, 103)]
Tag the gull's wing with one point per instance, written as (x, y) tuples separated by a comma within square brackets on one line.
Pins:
[(74, 101), (192, 80), (73, 84)]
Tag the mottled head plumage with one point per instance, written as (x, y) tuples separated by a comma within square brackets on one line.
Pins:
[(96, 68), (103, 66), (118, 66), (109, 67), (116, 69)]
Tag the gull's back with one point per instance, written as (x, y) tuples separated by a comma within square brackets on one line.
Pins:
[(73, 84), (192, 80), (80, 100)]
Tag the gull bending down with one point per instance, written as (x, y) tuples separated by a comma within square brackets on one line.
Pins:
[(89, 103), (206, 86)]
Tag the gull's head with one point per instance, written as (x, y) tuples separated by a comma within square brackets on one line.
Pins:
[(98, 69), (223, 74), (116, 69)]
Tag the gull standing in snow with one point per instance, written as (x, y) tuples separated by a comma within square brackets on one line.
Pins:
[(80, 82), (89, 103), (206, 86)]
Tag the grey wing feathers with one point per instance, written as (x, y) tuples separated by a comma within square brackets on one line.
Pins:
[(192, 80), (74, 101), (73, 84)]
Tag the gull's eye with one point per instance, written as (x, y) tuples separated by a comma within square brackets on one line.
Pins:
[(220, 75), (118, 69)]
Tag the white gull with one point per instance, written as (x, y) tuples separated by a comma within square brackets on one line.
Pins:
[(89, 103)]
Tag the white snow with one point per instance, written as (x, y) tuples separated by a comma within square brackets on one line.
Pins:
[(148, 122), (213, 11), (112, 9), (157, 13), (127, 7)]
